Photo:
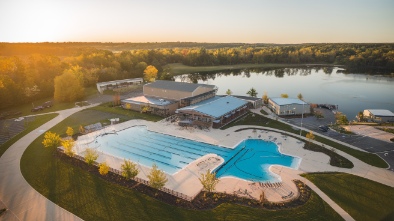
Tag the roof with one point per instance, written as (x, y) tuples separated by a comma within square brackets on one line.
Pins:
[(119, 81), (179, 86), (287, 101), (147, 100), (381, 112), (248, 98), (216, 106)]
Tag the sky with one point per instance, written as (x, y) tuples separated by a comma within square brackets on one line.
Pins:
[(247, 21)]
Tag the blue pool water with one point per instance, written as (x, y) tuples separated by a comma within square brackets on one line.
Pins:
[(249, 160)]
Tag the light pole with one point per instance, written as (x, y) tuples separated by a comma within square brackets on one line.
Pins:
[(302, 117)]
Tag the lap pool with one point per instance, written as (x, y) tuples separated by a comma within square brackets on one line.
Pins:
[(249, 160)]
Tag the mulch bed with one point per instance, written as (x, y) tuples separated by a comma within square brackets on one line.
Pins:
[(210, 201)]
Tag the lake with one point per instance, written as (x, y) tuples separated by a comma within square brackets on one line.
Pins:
[(352, 92)]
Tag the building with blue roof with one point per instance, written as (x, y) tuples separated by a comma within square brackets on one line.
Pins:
[(288, 106), (215, 112), (194, 104)]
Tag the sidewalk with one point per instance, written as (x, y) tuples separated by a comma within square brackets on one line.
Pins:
[(22, 201), (380, 175)]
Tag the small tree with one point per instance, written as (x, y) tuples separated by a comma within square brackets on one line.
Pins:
[(157, 178), (146, 109), (209, 181), (68, 146), (252, 92), (103, 168), (341, 118), (300, 96), (81, 129), (265, 97), (129, 169), (70, 131), (150, 73), (284, 95), (116, 99), (51, 139), (360, 116), (229, 92), (68, 87), (90, 156), (310, 137)]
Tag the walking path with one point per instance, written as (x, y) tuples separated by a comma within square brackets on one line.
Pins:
[(22, 201), (25, 203), (360, 168)]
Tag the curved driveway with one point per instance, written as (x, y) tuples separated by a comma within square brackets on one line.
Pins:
[(23, 201)]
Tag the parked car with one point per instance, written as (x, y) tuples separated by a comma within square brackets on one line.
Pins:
[(324, 128), (38, 108), (47, 104)]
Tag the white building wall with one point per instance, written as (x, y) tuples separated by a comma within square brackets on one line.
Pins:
[(289, 109)]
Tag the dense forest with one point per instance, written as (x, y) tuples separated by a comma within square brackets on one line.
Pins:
[(28, 70)]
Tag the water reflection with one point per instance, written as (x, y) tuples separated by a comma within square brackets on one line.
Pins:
[(352, 92)]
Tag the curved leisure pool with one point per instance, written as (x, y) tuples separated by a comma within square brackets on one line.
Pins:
[(249, 160)]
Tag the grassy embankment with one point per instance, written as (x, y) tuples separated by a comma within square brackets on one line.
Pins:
[(369, 158), (363, 199), (93, 198), (178, 68), (38, 121)]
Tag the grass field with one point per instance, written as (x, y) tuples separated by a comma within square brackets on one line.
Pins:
[(93, 198), (178, 68), (26, 108), (369, 158), (38, 121), (363, 199), (102, 113)]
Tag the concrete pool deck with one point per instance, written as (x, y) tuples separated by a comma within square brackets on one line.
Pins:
[(186, 181), (16, 193)]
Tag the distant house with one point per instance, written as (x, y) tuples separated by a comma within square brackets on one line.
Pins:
[(378, 115), (164, 97), (288, 106), (216, 112), (110, 85)]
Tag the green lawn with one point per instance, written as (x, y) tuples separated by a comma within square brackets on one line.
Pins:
[(92, 198), (38, 121), (101, 113), (363, 199), (26, 108), (178, 68), (369, 158)]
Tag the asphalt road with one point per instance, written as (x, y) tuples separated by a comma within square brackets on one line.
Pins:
[(382, 148)]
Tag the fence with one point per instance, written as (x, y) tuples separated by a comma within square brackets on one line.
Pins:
[(145, 182), (164, 189)]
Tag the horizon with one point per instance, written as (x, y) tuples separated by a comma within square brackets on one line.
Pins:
[(160, 42), (251, 22)]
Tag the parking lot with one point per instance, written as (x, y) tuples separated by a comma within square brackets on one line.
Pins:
[(384, 149)]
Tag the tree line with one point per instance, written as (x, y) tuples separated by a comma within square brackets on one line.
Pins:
[(29, 75)]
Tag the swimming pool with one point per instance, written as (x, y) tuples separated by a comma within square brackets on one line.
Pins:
[(249, 160)]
